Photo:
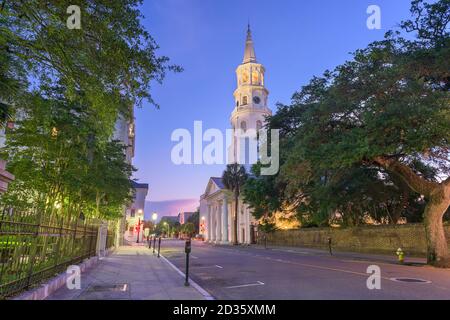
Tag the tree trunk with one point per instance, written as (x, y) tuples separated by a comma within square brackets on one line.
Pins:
[(438, 196), (236, 208), (437, 248)]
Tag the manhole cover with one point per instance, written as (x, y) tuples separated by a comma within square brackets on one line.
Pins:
[(410, 280), (110, 288)]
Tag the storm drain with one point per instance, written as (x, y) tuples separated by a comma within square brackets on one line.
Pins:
[(110, 288), (410, 280)]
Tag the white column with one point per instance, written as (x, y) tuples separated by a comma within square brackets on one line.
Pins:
[(233, 227), (218, 224), (225, 220), (211, 231)]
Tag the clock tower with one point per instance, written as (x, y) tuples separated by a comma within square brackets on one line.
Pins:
[(250, 98)]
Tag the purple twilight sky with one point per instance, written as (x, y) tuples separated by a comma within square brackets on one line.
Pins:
[(294, 40)]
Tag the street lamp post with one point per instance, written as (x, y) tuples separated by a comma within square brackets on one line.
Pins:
[(138, 229), (168, 228), (139, 225), (154, 218)]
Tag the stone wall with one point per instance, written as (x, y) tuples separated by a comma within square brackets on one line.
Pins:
[(384, 239)]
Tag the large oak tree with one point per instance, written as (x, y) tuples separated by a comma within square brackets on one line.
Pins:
[(389, 107)]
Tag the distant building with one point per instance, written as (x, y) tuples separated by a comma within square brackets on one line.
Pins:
[(5, 176), (124, 131), (138, 205), (169, 219), (135, 212), (183, 217)]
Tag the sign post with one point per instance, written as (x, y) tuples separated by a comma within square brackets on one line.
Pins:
[(159, 246), (329, 246), (187, 250)]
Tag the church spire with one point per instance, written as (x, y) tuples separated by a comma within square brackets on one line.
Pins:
[(249, 53)]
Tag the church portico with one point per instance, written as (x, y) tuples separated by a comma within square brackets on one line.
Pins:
[(217, 207), (217, 218)]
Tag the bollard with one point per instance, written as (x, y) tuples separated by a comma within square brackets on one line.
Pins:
[(187, 250), (329, 245), (154, 244), (149, 240), (159, 246)]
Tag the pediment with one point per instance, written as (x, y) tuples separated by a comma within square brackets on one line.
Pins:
[(212, 187)]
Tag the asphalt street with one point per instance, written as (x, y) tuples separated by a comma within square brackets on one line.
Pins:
[(252, 272)]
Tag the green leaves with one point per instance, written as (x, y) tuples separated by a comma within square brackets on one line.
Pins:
[(234, 177), (67, 89)]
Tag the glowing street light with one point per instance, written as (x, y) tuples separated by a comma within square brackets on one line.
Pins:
[(168, 228), (154, 216)]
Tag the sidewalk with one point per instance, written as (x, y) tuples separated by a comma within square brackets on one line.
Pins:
[(130, 273)]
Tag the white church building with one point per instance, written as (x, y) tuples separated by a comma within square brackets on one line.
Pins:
[(250, 109)]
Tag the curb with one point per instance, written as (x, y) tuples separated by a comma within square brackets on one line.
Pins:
[(196, 286), (55, 283)]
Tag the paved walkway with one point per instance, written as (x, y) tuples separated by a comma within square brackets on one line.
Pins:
[(130, 273)]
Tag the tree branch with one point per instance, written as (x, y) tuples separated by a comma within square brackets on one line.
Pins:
[(412, 179)]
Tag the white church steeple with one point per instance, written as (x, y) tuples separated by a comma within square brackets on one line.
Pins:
[(249, 53), (251, 95)]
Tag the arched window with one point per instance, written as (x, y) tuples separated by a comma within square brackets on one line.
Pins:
[(237, 103), (244, 100), (244, 126), (245, 77), (255, 77)]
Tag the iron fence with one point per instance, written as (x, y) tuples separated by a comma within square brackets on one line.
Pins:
[(35, 246)]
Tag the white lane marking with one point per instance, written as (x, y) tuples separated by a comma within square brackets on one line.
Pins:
[(258, 283), (202, 291), (193, 257), (320, 267), (291, 251), (203, 267)]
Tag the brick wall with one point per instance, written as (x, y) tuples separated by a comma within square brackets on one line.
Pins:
[(369, 239)]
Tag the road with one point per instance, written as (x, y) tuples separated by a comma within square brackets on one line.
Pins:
[(237, 272)]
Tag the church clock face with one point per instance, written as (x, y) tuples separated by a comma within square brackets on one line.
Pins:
[(256, 99)]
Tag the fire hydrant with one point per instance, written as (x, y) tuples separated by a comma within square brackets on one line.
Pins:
[(401, 255)]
